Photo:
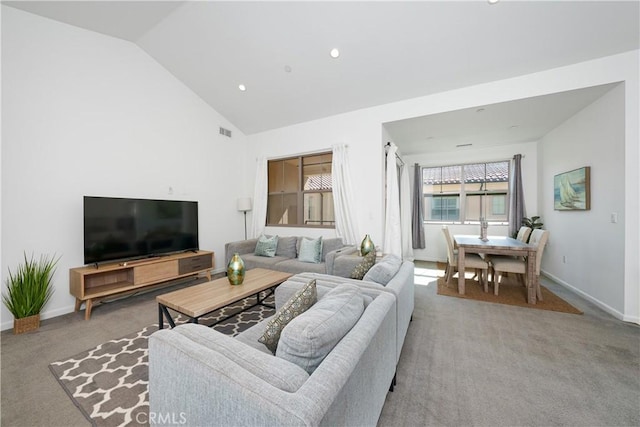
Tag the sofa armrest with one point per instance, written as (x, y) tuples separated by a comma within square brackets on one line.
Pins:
[(403, 286), (332, 257), (345, 263), (240, 247)]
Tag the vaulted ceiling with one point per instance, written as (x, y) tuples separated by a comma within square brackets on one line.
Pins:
[(389, 51)]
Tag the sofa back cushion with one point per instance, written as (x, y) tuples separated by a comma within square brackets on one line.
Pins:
[(329, 245), (382, 272), (287, 246), (311, 336)]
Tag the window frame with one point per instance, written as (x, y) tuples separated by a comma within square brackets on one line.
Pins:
[(464, 193), (301, 192)]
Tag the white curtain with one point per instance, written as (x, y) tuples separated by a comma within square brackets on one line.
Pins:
[(343, 195), (259, 217), (392, 232), (405, 214)]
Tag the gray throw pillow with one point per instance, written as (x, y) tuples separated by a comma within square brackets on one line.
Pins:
[(383, 271), (364, 266), (310, 250), (304, 298), (287, 246), (310, 337), (266, 246)]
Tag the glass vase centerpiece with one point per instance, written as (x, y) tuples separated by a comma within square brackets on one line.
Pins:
[(367, 245), (484, 224), (235, 270)]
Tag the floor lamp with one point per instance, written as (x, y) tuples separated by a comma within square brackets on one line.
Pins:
[(244, 205)]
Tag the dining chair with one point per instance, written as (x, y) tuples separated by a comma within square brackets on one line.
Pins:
[(501, 265), (523, 236), (470, 261)]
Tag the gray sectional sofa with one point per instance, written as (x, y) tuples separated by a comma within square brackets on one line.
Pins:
[(286, 258), (208, 378)]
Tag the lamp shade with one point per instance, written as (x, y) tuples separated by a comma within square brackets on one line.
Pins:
[(244, 204)]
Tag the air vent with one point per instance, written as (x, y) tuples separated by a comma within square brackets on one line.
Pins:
[(225, 132)]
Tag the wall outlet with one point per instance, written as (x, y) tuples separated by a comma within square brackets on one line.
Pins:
[(564, 259), (614, 217)]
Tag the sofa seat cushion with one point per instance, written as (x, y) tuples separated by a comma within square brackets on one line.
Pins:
[(331, 281), (256, 261), (311, 336), (251, 335), (384, 270), (277, 372), (300, 302), (294, 266)]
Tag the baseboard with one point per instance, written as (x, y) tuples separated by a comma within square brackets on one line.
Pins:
[(612, 311)]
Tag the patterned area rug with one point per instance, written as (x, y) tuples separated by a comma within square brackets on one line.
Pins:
[(109, 383)]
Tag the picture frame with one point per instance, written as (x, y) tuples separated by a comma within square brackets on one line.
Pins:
[(572, 190)]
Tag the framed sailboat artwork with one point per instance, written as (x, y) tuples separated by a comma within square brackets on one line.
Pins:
[(571, 190)]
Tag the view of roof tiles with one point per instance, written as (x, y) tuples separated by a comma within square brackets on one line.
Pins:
[(495, 172)]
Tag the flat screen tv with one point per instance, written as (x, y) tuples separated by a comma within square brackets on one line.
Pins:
[(124, 229)]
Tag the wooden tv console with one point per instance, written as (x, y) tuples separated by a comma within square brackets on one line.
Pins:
[(90, 284)]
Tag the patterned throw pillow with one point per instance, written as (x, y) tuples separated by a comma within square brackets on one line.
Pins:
[(310, 250), (364, 266), (266, 246), (297, 304)]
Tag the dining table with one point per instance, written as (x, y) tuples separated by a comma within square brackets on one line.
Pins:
[(498, 245)]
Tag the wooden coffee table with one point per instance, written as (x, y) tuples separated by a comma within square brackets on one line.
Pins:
[(196, 301)]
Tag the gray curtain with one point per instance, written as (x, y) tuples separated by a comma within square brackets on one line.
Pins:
[(516, 200), (417, 216)]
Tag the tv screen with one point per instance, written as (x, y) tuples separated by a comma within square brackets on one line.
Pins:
[(119, 228)]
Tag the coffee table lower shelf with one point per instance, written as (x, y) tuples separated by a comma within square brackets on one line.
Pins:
[(197, 301)]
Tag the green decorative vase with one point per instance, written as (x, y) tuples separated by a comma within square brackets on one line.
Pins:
[(235, 270), (367, 245)]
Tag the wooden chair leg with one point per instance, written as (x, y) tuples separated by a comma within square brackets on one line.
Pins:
[(538, 290), (485, 280), (496, 283)]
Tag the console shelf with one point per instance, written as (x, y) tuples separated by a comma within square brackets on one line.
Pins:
[(89, 284)]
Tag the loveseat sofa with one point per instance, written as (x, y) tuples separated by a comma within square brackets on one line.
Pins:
[(208, 378), (286, 255)]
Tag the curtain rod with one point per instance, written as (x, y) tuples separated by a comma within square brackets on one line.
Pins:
[(388, 144)]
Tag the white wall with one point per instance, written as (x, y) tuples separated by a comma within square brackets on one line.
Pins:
[(361, 130), (435, 245), (594, 137), (87, 114)]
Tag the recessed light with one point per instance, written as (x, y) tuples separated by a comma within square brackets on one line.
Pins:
[(334, 53), (287, 68), (514, 126), (242, 87)]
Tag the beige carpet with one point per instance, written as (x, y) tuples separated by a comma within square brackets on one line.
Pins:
[(510, 293)]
